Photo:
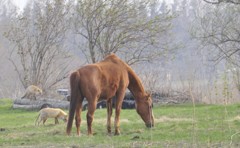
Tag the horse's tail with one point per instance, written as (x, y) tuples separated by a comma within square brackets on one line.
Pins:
[(75, 94)]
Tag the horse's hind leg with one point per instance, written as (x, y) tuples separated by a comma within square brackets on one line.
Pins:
[(78, 116), (109, 115), (118, 107), (91, 109)]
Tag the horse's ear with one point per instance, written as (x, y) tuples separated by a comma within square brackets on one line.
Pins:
[(148, 95)]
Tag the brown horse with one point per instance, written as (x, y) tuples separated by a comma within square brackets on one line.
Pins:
[(104, 80)]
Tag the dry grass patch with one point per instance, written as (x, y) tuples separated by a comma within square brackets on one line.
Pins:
[(169, 119)]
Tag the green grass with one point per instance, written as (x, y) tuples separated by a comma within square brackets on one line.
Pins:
[(175, 126)]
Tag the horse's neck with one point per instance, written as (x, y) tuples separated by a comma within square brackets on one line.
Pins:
[(135, 85)]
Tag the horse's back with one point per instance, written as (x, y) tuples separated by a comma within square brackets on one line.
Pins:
[(102, 78)]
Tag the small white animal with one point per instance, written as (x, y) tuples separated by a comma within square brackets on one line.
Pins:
[(31, 92), (56, 113)]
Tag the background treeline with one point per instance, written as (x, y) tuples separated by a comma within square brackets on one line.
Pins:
[(184, 50)]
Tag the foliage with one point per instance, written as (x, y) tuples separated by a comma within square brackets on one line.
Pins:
[(176, 126)]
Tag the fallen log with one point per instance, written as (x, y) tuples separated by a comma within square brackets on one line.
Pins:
[(36, 104)]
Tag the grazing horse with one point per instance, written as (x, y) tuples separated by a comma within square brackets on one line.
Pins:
[(103, 80)]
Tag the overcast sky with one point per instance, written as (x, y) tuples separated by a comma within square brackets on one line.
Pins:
[(20, 3)]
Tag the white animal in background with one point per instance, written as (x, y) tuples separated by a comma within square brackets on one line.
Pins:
[(56, 113), (31, 92)]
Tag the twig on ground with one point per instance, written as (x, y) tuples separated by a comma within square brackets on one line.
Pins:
[(232, 137)]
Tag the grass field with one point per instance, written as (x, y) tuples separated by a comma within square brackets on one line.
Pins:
[(175, 126)]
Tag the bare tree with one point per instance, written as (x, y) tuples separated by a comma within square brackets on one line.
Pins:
[(237, 2), (122, 26), (8, 9), (38, 38), (218, 30)]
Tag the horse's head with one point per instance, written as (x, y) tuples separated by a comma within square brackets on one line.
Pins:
[(144, 109)]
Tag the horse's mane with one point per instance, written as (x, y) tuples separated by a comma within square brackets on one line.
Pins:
[(135, 84)]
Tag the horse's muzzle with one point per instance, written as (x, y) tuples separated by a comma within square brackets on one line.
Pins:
[(149, 125)]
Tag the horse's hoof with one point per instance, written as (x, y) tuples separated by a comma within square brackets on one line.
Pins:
[(117, 133), (91, 134)]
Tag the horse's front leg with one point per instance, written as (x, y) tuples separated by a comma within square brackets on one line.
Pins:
[(90, 114), (118, 108), (109, 115), (78, 117)]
